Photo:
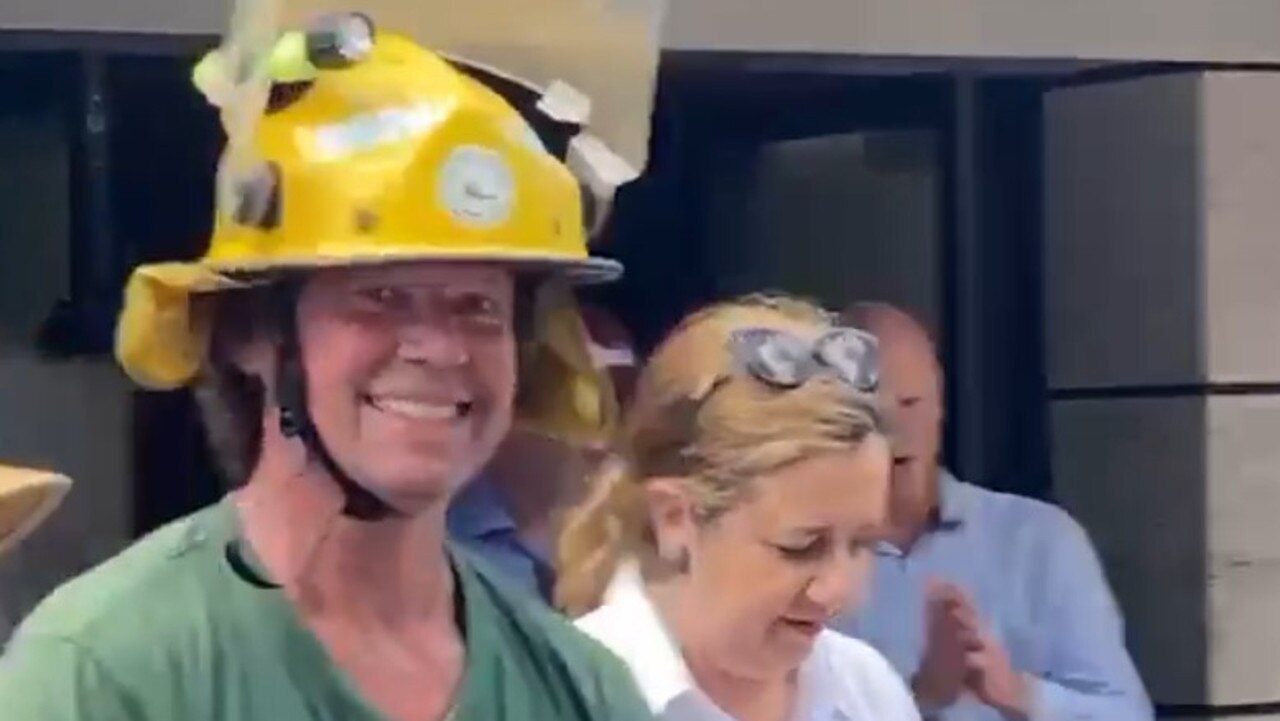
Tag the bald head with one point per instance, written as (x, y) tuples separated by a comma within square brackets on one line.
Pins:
[(891, 324), (911, 387), (908, 355)]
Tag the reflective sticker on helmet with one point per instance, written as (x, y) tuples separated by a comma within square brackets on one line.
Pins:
[(363, 132), (477, 186)]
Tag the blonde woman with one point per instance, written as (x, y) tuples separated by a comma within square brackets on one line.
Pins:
[(737, 520)]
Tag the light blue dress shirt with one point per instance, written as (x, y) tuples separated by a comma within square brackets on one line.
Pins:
[(1033, 574), (478, 520)]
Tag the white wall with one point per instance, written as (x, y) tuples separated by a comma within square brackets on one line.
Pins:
[(1234, 30)]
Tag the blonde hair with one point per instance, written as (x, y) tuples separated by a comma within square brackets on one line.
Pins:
[(696, 417)]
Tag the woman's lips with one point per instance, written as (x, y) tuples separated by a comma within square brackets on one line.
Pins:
[(803, 626)]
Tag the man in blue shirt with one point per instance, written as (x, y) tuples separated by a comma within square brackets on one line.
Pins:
[(993, 606), (508, 514)]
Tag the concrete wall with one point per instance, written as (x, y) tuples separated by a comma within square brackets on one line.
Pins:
[(1164, 356), (72, 416), (1239, 30)]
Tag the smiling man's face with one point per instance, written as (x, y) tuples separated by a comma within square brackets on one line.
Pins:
[(410, 373)]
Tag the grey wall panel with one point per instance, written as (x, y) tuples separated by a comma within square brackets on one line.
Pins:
[(1122, 269), (1133, 473)]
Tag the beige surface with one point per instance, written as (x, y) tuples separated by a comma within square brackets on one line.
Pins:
[(1239, 30), (1240, 164)]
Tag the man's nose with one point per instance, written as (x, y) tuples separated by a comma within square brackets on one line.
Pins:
[(433, 341)]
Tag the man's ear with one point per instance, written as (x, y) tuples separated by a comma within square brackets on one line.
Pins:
[(248, 342), (671, 516), (256, 358)]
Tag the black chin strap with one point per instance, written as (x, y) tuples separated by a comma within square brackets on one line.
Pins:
[(295, 418)]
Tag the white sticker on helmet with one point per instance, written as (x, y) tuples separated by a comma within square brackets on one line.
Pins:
[(477, 186)]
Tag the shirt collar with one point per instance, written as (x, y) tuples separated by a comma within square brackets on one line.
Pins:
[(955, 502), (641, 639), (649, 651), (478, 511)]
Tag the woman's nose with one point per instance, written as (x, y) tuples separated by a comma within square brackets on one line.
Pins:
[(834, 584)]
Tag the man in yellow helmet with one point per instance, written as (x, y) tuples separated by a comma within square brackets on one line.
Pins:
[(396, 251)]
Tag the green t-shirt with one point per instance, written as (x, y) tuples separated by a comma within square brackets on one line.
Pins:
[(173, 630)]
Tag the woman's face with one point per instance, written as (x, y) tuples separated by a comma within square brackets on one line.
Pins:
[(766, 576)]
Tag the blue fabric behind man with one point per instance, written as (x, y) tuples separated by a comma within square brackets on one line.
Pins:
[(478, 519)]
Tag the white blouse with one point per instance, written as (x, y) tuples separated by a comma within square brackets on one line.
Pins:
[(843, 679)]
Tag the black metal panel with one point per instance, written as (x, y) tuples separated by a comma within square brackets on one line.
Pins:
[(993, 349), (84, 322)]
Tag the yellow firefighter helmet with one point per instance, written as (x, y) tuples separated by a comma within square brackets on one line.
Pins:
[(346, 146)]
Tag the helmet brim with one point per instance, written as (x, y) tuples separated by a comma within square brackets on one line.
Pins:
[(161, 344)]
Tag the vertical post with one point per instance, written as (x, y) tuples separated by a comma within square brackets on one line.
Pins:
[(100, 258), (965, 382), (84, 323)]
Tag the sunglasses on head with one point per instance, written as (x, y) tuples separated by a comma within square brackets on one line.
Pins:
[(784, 360)]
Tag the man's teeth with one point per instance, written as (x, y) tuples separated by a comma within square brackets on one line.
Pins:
[(417, 410)]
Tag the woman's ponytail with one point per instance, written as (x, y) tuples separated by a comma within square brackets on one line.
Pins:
[(596, 535)]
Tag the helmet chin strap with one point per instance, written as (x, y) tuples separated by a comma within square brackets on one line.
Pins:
[(295, 417)]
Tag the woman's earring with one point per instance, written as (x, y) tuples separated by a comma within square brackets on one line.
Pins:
[(676, 559)]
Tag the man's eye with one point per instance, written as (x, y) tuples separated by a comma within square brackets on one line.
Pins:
[(479, 308), (383, 298)]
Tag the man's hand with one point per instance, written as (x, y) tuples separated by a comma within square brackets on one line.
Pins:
[(953, 638), (990, 676)]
